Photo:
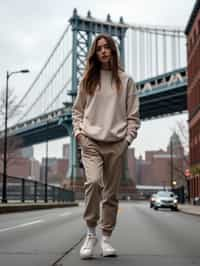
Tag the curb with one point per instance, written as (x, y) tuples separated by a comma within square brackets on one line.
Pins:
[(189, 213), (31, 207)]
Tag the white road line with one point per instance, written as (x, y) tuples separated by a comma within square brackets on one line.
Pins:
[(51, 215), (65, 214), (21, 225)]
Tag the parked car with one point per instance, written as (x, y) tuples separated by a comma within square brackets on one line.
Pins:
[(152, 200), (196, 201), (166, 199)]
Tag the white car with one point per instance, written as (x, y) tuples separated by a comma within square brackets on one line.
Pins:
[(166, 199)]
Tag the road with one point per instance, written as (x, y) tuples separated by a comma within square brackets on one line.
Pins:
[(142, 237)]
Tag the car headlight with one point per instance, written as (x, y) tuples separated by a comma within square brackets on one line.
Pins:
[(175, 200), (158, 200)]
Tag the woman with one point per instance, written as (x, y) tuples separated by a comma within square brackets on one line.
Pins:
[(105, 119)]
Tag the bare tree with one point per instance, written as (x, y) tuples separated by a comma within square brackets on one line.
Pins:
[(13, 145), (13, 108), (183, 132), (13, 142), (180, 151)]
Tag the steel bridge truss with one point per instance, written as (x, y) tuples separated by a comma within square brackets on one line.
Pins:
[(84, 30)]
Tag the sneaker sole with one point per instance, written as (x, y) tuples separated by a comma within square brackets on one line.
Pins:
[(109, 254), (86, 257)]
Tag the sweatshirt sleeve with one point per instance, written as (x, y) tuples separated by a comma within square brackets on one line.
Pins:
[(132, 104), (78, 111)]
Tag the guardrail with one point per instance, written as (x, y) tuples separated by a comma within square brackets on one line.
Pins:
[(25, 190)]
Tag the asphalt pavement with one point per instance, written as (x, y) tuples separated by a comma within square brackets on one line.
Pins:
[(21, 207), (143, 236)]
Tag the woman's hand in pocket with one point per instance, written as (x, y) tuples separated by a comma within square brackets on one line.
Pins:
[(80, 138)]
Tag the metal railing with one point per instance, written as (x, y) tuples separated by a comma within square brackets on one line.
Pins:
[(25, 190)]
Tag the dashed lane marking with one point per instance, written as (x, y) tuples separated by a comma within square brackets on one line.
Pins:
[(20, 225), (65, 214)]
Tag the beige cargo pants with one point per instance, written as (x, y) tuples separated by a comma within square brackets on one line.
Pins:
[(102, 162)]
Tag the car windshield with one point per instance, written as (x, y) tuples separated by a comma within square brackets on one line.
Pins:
[(165, 194)]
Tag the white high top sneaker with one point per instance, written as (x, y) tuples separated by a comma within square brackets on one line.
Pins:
[(87, 249), (107, 249)]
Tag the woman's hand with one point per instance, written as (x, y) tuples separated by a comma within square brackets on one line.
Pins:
[(80, 138)]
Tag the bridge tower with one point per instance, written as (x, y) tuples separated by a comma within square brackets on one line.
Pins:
[(84, 30)]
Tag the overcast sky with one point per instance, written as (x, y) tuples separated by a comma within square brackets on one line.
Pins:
[(29, 30)]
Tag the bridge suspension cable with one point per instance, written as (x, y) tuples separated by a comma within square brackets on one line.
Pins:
[(154, 50), (49, 80)]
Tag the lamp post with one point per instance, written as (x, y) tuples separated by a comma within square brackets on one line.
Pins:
[(46, 168), (4, 186), (171, 164)]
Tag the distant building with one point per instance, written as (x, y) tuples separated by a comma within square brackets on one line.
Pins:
[(193, 95), (35, 169), (27, 152), (24, 167), (154, 169), (132, 164), (66, 151), (160, 168), (56, 171), (22, 164)]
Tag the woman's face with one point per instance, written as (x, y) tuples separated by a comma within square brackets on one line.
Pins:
[(103, 53)]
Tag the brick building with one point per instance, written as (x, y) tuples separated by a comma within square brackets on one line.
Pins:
[(22, 164), (193, 96), (131, 164), (160, 168), (57, 169), (155, 169)]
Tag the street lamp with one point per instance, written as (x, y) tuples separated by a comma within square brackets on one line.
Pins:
[(4, 187), (174, 183), (171, 163), (46, 167)]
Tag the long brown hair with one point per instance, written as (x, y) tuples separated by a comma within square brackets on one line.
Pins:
[(91, 77)]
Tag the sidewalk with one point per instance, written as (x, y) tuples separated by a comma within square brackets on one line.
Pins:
[(30, 206), (189, 209)]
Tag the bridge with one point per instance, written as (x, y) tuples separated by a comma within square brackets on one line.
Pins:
[(159, 96), (154, 56)]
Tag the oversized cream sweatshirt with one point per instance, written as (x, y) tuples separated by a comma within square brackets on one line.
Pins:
[(108, 115)]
